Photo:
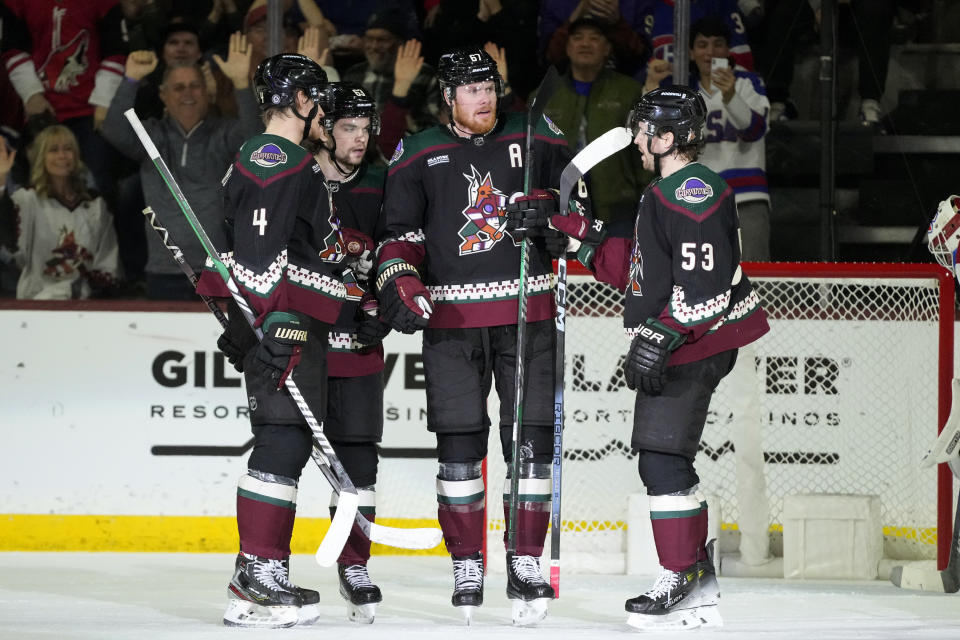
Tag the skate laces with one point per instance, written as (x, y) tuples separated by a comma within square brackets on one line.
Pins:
[(357, 576), (468, 573), (666, 582), (265, 571), (282, 575), (527, 569)]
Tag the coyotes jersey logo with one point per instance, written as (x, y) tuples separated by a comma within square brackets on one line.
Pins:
[(486, 219), (66, 62)]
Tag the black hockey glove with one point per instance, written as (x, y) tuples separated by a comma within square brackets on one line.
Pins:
[(233, 352), (371, 330), (404, 301), (284, 336), (528, 216), (646, 364), (555, 243)]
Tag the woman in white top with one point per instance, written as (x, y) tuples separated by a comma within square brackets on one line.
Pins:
[(66, 244)]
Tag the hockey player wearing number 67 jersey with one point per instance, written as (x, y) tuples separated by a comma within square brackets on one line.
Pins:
[(449, 267), (688, 309)]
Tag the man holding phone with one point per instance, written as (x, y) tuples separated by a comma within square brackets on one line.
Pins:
[(736, 123)]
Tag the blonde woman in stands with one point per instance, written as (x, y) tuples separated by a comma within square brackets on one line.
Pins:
[(66, 244)]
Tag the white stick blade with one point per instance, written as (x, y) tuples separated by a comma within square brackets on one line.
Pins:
[(422, 538), (339, 531), (917, 578)]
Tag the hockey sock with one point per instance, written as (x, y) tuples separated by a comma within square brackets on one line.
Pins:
[(533, 510), (266, 508), (702, 525), (357, 548), (460, 503), (676, 529)]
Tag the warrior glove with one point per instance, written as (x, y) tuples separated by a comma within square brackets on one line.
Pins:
[(231, 350), (371, 330), (646, 364), (528, 216), (284, 336), (404, 301), (587, 234)]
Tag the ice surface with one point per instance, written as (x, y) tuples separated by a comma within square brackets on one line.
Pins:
[(141, 596)]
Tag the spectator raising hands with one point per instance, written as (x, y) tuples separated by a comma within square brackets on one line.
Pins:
[(237, 63)]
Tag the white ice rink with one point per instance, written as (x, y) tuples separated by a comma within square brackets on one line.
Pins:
[(140, 596)]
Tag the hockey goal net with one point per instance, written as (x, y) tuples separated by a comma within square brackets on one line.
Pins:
[(852, 381)]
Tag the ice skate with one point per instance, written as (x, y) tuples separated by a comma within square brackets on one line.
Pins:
[(361, 594), (468, 584), (671, 603), (310, 609), (256, 599), (527, 590), (708, 591)]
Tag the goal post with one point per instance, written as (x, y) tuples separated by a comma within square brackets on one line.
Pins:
[(853, 382)]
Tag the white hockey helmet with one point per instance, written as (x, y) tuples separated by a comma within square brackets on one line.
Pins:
[(943, 236)]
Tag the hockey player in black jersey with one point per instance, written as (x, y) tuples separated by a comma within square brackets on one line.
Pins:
[(354, 422), (284, 253), (448, 267), (688, 309)]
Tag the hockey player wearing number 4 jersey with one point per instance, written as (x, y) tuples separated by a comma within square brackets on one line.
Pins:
[(285, 254), (354, 422), (688, 308), (449, 267)]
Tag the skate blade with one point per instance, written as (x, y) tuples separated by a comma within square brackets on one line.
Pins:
[(308, 614), (709, 616), (242, 613), (675, 620), (526, 613), (467, 612), (361, 613)]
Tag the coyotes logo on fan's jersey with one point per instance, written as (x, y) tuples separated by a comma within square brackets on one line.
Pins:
[(486, 219), (66, 61)]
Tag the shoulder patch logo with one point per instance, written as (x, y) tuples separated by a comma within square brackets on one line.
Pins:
[(397, 152), (268, 155), (552, 126), (694, 191)]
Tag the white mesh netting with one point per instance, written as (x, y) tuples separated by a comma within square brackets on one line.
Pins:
[(847, 386)]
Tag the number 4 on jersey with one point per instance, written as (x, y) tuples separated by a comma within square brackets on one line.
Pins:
[(260, 219)]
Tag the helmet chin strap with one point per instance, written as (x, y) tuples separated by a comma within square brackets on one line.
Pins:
[(657, 156), (332, 152), (307, 120)]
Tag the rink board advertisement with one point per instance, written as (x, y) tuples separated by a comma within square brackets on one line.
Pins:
[(135, 414)]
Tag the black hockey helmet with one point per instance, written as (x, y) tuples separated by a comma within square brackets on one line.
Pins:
[(279, 77), (349, 100), (678, 109), (467, 66)]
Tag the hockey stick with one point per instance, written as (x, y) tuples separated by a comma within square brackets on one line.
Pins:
[(546, 90), (421, 538), (604, 146)]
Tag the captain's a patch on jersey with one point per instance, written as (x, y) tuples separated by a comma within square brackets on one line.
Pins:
[(397, 152), (268, 155), (693, 190)]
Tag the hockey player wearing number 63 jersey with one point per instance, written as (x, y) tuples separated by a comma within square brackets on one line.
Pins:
[(688, 309), (449, 267)]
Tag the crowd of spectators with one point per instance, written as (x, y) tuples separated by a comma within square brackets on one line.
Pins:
[(185, 66)]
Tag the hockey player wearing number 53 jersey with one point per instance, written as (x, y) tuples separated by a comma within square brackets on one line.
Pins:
[(285, 254), (688, 308), (354, 421), (449, 266)]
